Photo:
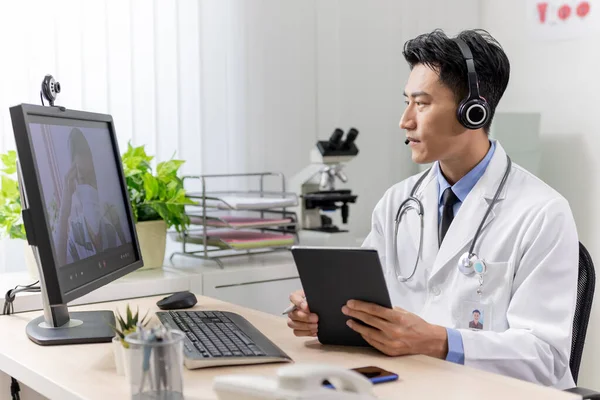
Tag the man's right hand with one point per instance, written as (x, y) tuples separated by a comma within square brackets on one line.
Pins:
[(302, 321)]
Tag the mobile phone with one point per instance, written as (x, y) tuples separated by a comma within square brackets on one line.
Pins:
[(372, 373)]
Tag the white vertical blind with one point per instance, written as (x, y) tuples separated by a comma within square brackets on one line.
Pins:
[(228, 86), (138, 60), (188, 82), (120, 73)]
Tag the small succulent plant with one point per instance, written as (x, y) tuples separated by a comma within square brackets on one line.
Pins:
[(128, 324)]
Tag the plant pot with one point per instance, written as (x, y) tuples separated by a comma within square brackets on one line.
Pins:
[(119, 353), (152, 236), (121, 357), (30, 263)]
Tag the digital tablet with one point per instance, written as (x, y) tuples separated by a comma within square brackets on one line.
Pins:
[(331, 276)]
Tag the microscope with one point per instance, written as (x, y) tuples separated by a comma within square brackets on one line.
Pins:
[(316, 186)]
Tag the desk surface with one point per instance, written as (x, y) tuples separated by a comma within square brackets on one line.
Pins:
[(88, 371)]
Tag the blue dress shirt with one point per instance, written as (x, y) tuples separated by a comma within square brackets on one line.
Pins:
[(456, 351)]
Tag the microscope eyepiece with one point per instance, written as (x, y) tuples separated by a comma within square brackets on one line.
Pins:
[(350, 138), (336, 138)]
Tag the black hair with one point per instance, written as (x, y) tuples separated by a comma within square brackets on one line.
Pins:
[(440, 53), (78, 144), (476, 311)]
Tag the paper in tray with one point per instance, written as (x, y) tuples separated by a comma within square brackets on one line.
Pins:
[(242, 239), (252, 203), (241, 222)]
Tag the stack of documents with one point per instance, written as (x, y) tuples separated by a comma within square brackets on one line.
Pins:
[(240, 222), (251, 203), (241, 240)]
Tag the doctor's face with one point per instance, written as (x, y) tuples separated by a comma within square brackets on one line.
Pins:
[(430, 117)]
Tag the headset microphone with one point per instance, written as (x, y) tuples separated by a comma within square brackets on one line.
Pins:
[(406, 141)]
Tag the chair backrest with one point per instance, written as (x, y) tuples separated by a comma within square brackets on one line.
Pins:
[(585, 295)]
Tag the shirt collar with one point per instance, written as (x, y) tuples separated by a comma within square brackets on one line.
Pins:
[(462, 188)]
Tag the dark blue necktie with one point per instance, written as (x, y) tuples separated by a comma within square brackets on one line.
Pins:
[(449, 199)]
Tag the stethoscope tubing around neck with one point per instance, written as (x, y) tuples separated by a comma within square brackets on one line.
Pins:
[(406, 206), (494, 200), (413, 203)]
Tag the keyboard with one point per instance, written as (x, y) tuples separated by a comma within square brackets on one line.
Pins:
[(215, 338)]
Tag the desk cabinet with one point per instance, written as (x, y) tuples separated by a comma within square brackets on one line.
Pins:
[(26, 392), (265, 289)]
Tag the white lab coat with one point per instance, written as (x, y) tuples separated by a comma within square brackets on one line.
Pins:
[(530, 245)]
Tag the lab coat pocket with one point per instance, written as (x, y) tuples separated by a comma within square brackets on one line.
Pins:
[(494, 281), (497, 279)]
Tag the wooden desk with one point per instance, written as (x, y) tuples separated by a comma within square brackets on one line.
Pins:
[(88, 372)]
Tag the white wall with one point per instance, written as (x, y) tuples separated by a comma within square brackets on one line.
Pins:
[(286, 74), (361, 78), (559, 79), (293, 72), (258, 80)]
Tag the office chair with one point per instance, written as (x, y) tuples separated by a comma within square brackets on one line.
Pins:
[(586, 283)]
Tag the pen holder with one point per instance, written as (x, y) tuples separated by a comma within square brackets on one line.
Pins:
[(156, 366)]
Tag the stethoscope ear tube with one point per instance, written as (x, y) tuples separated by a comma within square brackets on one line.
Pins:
[(404, 208)]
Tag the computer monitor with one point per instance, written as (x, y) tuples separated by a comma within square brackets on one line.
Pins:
[(77, 216)]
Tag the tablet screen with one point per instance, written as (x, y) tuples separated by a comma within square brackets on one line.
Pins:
[(332, 276)]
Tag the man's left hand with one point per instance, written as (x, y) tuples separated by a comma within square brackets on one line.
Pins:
[(396, 332)]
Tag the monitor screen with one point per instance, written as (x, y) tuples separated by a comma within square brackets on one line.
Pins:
[(82, 197)]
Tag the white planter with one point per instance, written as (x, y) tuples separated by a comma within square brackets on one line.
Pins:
[(121, 357), (30, 263), (118, 351), (152, 236)]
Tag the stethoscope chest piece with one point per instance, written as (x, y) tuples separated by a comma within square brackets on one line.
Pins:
[(470, 263)]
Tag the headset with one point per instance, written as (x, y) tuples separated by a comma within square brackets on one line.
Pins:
[(473, 111)]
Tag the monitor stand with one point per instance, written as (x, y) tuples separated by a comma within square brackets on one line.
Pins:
[(58, 326)]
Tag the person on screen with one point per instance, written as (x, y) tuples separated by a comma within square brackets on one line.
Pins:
[(86, 225)]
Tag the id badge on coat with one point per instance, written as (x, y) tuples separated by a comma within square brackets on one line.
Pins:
[(475, 315)]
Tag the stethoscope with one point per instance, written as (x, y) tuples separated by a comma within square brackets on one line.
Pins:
[(469, 262)]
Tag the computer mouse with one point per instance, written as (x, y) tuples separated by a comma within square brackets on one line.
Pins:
[(177, 301)]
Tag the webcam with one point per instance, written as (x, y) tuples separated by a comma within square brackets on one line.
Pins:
[(50, 89)]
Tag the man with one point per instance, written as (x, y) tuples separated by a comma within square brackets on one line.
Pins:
[(475, 324), (527, 241), (86, 226)]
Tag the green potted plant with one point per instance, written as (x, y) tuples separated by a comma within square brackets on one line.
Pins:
[(11, 220), (125, 325), (158, 201)]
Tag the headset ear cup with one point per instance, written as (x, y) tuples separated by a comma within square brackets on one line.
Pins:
[(460, 114), (473, 113)]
